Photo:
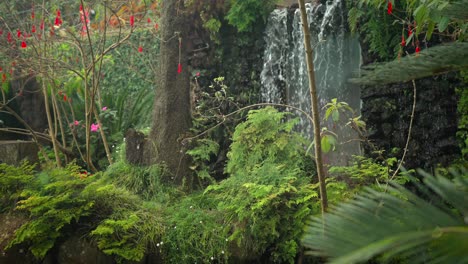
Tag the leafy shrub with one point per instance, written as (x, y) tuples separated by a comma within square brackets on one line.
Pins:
[(201, 154), (142, 181), (266, 136), (366, 171), (12, 182), (54, 204), (62, 198), (195, 231), (268, 196), (245, 13)]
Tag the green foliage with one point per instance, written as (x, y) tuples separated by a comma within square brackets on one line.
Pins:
[(366, 171), (266, 136), (54, 205), (142, 181), (375, 26), (195, 231), (431, 61), (267, 164), (129, 234), (201, 155), (462, 109), (59, 200), (334, 108), (243, 14), (396, 224), (12, 182), (251, 205)]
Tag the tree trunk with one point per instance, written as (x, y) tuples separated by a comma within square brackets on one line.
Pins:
[(171, 112)]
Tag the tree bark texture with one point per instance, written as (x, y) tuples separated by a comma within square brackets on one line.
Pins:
[(171, 112)]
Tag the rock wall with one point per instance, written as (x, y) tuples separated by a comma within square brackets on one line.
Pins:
[(387, 112)]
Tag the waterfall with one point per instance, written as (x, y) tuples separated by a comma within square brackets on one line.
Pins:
[(337, 56)]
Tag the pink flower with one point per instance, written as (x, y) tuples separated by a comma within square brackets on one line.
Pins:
[(104, 108), (94, 127), (179, 68), (76, 122)]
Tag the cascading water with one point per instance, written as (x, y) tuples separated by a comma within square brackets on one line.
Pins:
[(337, 56)]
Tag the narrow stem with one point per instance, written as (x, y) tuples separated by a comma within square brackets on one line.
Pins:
[(103, 136), (314, 106)]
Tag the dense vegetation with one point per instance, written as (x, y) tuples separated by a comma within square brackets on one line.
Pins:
[(252, 195)]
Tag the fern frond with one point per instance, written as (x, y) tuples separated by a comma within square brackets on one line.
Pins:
[(396, 223), (432, 61)]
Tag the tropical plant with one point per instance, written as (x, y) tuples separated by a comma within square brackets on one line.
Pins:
[(418, 21), (12, 182), (397, 224)]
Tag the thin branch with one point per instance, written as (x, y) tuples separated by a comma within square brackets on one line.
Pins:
[(185, 140)]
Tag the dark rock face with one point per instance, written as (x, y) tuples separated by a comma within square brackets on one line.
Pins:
[(79, 251), (13, 152), (387, 112)]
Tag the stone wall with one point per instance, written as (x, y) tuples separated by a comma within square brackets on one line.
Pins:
[(387, 111), (14, 152)]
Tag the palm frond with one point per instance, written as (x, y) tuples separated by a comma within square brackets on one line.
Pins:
[(456, 10), (431, 61), (396, 224)]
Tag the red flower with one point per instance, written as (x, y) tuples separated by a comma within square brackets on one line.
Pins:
[(58, 21), (156, 26), (140, 49), (418, 49), (33, 15), (18, 33), (58, 13), (179, 68), (389, 8), (42, 25), (23, 44), (33, 29), (4, 77), (132, 21), (81, 8), (403, 42), (65, 97), (9, 37), (149, 20)]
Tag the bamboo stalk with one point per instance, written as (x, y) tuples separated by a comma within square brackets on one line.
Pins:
[(314, 106)]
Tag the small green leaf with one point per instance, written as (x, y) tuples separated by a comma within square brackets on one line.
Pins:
[(443, 24), (336, 116), (326, 146)]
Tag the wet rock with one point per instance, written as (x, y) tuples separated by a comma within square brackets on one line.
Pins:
[(76, 250)]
